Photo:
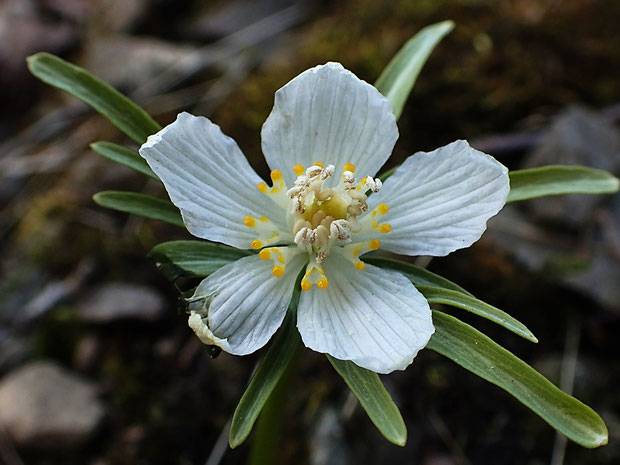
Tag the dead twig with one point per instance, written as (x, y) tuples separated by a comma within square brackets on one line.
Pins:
[(567, 379)]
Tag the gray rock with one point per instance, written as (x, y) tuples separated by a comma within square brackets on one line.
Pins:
[(129, 62), (43, 405), (327, 446), (577, 137), (118, 301)]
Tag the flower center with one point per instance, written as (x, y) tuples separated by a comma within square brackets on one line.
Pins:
[(320, 218)]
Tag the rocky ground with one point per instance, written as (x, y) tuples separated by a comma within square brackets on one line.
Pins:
[(98, 367)]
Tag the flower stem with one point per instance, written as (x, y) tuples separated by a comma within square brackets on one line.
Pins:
[(265, 440)]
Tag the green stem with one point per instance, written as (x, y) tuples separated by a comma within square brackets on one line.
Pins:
[(265, 440)]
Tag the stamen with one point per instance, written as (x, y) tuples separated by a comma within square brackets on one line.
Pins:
[(323, 217), (314, 171), (352, 252), (349, 167), (314, 275), (278, 192), (280, 257), (381, 208), (276, 175), (298, 169), (266, 230), (370, 222)]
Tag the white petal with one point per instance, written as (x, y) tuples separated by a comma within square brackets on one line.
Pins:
[(374, 317), (327, 114), (241, 305), (440, 201), (210, 180)]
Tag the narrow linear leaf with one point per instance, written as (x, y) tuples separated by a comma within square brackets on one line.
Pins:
[(437, 295), (279, 356), (482, 356), (369, 390), (399, 76), (121, 111), (141, 205), (417, 275), (386, 174), (193, 258), (124, 156), (557, 180)]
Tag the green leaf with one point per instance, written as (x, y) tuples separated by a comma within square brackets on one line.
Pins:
[(122, 112), (437, 295), (124, 156), (417, 275), (279, 356), (482, 356), (369, 390), (141, 205), (386, 174), (399, 76), (558, 179), (193, 258)]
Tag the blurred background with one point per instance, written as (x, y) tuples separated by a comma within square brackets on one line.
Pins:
[(97, 364)]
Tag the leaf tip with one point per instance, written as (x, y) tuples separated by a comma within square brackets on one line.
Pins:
[(99, 198), (234, 442), (401, 440), (448, 25), (31, 61)]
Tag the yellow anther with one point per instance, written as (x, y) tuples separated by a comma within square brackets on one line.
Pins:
[(298, 169), (322, 283), (248, 221), (277, 271), (319, 164), (264, 219), (349, 167), (356, 252), (256, 244), (375, 224), (385, 228), (281, 259), (276, 175), (264, 254), (374, 244), (383, 208), (306, 285), (262, 187), (360, 265), (275, 189)]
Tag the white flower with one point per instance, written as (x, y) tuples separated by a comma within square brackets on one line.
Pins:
[(326, 138)]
